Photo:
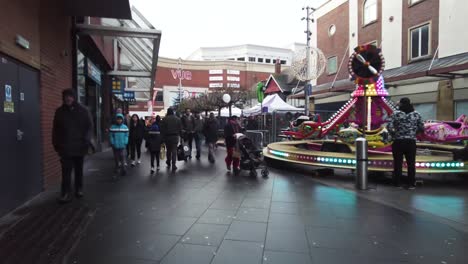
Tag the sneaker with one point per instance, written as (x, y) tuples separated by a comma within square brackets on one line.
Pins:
[(236, 171), (411, 187), (66, 198), (133, 163), (79, 194), (228, 167), (174, 168), (139, 161), (157, 168), (398, 186), (125, 164), (152, 169)]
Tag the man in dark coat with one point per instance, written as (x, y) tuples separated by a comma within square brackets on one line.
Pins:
[(71, 137), (210, 130), (171, 128), (188, 126)]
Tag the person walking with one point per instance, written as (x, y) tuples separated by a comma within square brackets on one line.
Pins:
[(188, 126), (210, 130), (153, 139), (403, 126), (232, 127), (71, 138), (137, 132), (171, 129), (198, 133), (118, 138)]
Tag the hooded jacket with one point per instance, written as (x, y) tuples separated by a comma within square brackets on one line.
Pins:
[(71, 132), (153, 137), (118, 134)]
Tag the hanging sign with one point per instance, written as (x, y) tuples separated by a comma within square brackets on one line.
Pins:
[(93, 72), (117, 86), (8, 107), (8, 96)]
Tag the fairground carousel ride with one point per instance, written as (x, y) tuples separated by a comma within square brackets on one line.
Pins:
[(331, 143)]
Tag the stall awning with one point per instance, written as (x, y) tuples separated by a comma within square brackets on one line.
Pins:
[(102, 8)]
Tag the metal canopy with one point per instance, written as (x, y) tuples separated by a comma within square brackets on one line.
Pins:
[(135, 39), (83, 29), (100, 8)]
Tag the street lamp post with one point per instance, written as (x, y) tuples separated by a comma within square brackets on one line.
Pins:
[(227, 100)]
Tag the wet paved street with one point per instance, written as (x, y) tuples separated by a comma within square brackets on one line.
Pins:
[(202, 214)]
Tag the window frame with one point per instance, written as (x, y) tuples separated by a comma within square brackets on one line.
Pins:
[(267, 60), (364, 24), (252, 59), (336, 70), (429, 39), (260, 60)]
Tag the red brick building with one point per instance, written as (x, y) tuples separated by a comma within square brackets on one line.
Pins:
[(37, 61), (199, 77)]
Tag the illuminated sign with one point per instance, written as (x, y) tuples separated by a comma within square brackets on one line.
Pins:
[(233, 72), (233, 78), (233, 85)]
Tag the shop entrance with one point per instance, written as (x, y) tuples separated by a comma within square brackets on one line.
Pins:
[(20, 136)]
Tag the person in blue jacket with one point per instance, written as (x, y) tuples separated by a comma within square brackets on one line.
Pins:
[(119, 140)]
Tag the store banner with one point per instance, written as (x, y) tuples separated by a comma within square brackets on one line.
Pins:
[(129, 96), (117, 86), (93, 72)]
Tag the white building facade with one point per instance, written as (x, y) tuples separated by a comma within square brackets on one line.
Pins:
[(248, 53)]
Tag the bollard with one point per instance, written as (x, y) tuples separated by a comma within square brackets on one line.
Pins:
[(361, 164)]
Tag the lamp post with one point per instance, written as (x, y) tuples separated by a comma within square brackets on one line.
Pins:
[(227, 100)]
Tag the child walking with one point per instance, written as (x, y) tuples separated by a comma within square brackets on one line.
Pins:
[(154, 142), (119, 140)]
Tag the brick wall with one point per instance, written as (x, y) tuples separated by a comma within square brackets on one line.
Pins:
[(370, 32), (16, 19), (337, 44), (56, 75), (422, 12)]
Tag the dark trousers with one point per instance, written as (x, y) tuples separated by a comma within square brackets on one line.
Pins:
[(171, 153), (70, 164), (198, 138), (119, 157), (406, 148), (155, 154), (189, 140), (135, 146)]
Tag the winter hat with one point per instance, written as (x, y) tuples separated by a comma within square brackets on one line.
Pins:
[(119, 116)]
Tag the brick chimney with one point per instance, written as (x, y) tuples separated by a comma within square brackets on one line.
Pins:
[(278, 66)]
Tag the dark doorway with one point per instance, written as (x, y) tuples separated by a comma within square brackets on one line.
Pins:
[(20, 136)]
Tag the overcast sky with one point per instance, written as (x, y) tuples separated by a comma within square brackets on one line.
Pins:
[(189, 24)]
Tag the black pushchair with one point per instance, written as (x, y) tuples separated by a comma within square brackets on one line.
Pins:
[(251, 156)]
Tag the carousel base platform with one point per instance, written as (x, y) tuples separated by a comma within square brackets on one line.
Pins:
[(430, 158)]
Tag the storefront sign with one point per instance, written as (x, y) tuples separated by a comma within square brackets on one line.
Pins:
[(129, 96), (8, 93), (216, 78), (233, 78), (117, 86), (216, 71), (233, 85), (183, 75), (8, 107), (233, 72), (216, 85), (93, 72)]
